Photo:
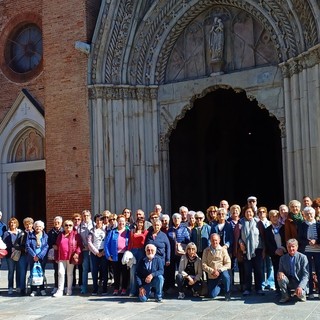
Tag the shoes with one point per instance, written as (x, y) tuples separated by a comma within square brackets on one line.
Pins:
[(22, 292), (303, 298), (246, 293), (54, 290), (104, 293), (284, 299), (123, 292), (227, 296), (115, 292), (311, 296), (181, 295), (260, 292), (69, 293), (159, 300), (10, 291), (58, 294), (196, 294), (94, 293), (171, 291), (18, 290), (131, 295), (33, 293)]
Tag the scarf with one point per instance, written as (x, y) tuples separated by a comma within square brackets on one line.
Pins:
[(250, 236), (297, 218)]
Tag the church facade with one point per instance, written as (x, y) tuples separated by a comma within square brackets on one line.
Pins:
[(174, 102)]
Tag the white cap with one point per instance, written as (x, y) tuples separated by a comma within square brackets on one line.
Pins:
[(252, 198)]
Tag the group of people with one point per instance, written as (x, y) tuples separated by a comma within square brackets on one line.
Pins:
[(188, 253)]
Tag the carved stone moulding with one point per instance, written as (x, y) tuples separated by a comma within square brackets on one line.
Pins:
[(121, 92)]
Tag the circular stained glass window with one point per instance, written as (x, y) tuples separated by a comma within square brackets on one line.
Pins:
[(25, 49)]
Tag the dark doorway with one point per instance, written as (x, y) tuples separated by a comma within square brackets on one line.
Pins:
[(226, 147), (30, 195)]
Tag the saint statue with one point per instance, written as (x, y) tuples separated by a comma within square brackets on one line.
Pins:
[(217, 40)]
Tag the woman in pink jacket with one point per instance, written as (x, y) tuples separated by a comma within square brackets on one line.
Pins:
[(67, 254)]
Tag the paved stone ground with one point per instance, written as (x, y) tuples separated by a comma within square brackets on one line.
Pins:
[(109, 307)]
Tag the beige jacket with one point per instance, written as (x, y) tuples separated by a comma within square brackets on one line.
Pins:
[(219, 260), (197, 267)]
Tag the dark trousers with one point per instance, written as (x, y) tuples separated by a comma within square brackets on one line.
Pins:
[(254, 264), (120, 272)]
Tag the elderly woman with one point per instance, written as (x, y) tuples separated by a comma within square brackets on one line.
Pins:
[(9, 238), (212, 214), (178, 235), (191, 220), (293, 220), (189, 272), (20, 244), (115, 245), (165, 219), (67, 246), (316, 207), (309, 239), (275, 242), (37, 248), (252, 246), (200, 235), (283, 211)]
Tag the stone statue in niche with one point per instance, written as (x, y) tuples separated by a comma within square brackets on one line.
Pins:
[(216, 44)]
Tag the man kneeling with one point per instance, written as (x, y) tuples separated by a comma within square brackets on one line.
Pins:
[(149, 274)]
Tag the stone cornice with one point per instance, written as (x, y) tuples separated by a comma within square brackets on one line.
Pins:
[(119, 92), (304, 60)]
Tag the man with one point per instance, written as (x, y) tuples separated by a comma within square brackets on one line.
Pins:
[(85, 228), (307, 201), (158, 209), (149, 274), (293, 273), (140, 214), (3, 226), (165, 219), (200, 234), (224, 204), (184, 215), (216, 262), (252, 203)]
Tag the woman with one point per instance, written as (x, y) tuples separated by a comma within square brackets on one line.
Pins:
[(127, 214), (158, 238), (283, 213), (136, 246), (190, 271), (275, 242), (76, 218), (309, 239), (177, 234), (251, 245), (191, 220), (212, 214), (114, 247), (9, 238), (293, 220), (20, 244), (67, 246), (200, 234), (37, 248), (52, 239), (316, 207), (96, 240)]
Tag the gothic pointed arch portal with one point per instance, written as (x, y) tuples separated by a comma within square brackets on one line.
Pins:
[(226, 147)]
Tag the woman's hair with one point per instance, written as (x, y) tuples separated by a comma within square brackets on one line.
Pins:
[(39, 223), (235, 206), (294, 203), (273, 213), (191, 245), (316, 202), (76, 215), (121, 216), (211, 208), (136, 224), (28, 220), (68, 222), (176, 215), (13, 219)]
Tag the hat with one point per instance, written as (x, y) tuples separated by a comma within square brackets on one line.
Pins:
[(252, 198)]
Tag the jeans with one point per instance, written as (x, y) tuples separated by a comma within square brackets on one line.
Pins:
[(183, 283), (268, 270), (86, 267), (256, 264), (313, 259), (138, 254), (213, 284), (64, 266), (22, 267), (157, 283), (12, 266), (99, 264)]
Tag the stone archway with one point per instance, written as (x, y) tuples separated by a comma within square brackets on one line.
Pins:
[(226, 147)]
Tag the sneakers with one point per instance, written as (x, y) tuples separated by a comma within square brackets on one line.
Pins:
[(303, 298), (159, 300), (181, 295), (69, 293), (227, 296), (33, 293), (284, 299), (115, 292), (10, 291), (123, 292), (58, 294), (43, 292), (260, 293), (246, 293)]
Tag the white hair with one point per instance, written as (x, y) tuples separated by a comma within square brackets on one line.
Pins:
[(38, 223)]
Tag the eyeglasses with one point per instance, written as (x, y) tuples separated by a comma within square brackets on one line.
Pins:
[(199, 218), (112, 219), (68, 225)]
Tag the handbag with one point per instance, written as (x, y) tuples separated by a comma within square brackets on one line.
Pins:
[(180, 249), (51, 254), (76, 259), (3, 253), (36, 274), (15, 255)]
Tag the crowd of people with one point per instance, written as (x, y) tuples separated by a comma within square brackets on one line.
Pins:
[(188, 253)]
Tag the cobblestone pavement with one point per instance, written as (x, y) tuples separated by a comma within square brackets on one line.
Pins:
[(109, 307)]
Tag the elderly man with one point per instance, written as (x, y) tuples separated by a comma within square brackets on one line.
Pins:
[(140, 214), (293, 273), (184, 215), (149, 274), (252, 203), (200, 234), (216, 262)]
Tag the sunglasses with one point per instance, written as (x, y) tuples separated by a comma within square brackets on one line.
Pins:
[(199, 218), (68, 225)]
